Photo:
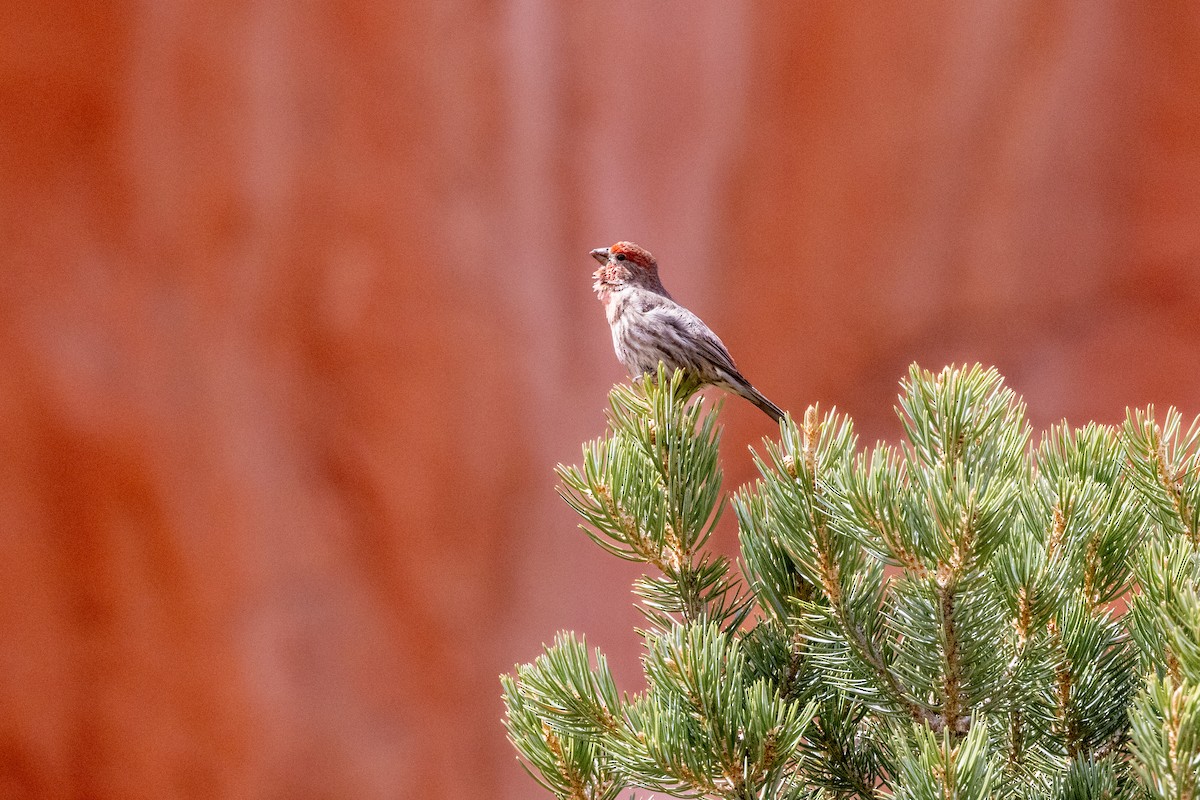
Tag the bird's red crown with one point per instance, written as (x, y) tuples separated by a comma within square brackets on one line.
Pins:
[(635, 254)]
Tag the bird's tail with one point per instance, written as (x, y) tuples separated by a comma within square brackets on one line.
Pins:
[(759, 399)]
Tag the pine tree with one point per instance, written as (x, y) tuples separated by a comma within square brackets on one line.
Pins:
[(965, 614)]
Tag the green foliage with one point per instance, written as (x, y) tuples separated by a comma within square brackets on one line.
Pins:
[(930, 766), (651, 492), (963, 614)]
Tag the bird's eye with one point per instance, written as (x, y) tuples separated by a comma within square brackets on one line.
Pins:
[(620, 257)]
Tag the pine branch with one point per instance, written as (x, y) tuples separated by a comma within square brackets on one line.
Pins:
[(933, 618), (650, 492)]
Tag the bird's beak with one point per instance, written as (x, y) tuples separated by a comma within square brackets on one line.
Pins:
[(601, 254)]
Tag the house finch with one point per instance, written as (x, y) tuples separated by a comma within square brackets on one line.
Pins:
[(649, 327)]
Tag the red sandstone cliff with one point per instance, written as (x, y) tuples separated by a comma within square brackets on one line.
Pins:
[(295, 321)]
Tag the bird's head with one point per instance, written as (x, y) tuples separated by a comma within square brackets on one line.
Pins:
[(626, 263)]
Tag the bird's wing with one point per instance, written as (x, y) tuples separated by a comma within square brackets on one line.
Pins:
[(709, 348)]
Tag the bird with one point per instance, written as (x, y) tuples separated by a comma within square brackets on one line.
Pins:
[(649, 327)]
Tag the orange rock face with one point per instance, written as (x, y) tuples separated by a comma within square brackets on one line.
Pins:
[(296, 321)]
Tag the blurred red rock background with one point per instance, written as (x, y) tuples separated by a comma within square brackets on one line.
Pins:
[(296, 321)]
